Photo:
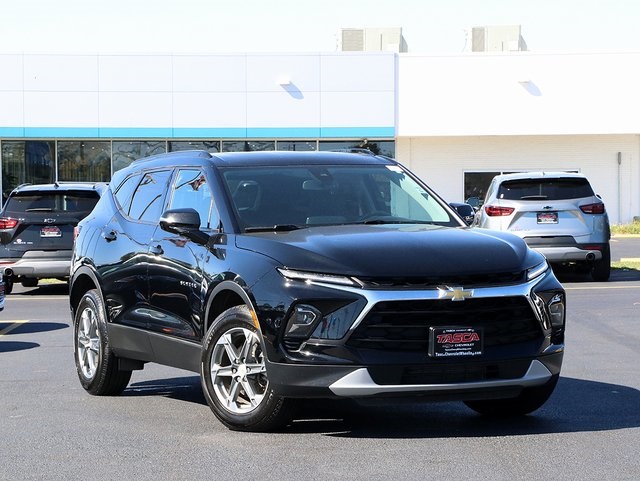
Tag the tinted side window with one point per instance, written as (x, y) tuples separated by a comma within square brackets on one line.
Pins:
[(191, 190), (124, 194), (545, 189), (149, 196)]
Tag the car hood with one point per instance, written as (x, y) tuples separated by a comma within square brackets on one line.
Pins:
[(393, 250)]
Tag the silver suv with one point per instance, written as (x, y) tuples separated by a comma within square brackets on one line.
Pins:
[(556, 213)]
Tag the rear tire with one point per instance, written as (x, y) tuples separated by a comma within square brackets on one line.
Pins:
[(601, 270), (234, 376), (8, 286), (29, 282), (96, 364), (526, 402)]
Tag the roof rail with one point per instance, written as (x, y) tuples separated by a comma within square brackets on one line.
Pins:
[(355, 150)]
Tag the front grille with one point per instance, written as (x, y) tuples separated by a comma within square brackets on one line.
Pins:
[(404, 325), (480, 280)]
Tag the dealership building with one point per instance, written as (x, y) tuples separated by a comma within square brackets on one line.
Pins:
[(455, 120)]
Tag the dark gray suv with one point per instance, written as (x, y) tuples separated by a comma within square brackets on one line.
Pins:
[(36, 229)]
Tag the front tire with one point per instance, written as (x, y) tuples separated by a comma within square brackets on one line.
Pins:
[(526, 402), (234, 376), (96, 364)]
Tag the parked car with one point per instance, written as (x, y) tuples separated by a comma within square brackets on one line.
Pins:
[(286, 275), (36, 229), (2, 293), (465, 211), (556, 213)]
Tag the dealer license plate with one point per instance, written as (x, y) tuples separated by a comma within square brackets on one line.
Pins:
[(455, 341), (547, 217), (50, 231)]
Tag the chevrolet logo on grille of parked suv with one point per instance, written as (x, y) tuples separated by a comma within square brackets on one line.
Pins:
[(454, 293)]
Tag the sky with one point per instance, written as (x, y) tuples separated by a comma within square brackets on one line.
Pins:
[(233, 26)]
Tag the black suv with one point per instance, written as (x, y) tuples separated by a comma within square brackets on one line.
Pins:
[(284, 275), (36, 229)]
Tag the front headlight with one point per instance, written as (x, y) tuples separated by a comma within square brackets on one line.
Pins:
[(335, 324), (332, 322), (556, 311), (302, 321)]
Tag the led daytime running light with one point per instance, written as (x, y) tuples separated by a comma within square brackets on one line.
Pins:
[(315, 277), (537, 271)]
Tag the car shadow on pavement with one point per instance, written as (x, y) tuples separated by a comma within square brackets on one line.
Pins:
[(12, 346), (186, 388), (31, 327), (52, 289), (577, 405), (565, 274)]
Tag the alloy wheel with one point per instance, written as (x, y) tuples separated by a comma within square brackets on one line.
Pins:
[(88, 344), (238, 372)]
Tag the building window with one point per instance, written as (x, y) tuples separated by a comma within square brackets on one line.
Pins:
[(210, 146), (126, 151), (30, 161), (296, 145), (248, 145), (378, 147), (83, 160)]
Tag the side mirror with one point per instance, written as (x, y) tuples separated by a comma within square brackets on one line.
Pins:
[(185, 222)]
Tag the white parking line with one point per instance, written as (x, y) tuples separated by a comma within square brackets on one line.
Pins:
[(12, 298), (11, 325), (600, 287)]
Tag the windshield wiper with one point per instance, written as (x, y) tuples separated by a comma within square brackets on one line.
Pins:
[(274, 228), (393, 220), (40, 209)]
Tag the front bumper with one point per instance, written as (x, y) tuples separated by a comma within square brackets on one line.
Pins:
[(304, 381)]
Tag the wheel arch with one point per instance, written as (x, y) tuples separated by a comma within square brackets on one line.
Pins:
[(84, 279), (225, 295)]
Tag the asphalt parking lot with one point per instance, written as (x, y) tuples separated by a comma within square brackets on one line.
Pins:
[(161, 427)]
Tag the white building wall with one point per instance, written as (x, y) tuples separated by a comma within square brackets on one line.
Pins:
[(442, 162), (518, 94), (330, 95)]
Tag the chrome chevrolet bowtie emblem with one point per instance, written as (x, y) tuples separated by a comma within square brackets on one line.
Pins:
[(454, 293)]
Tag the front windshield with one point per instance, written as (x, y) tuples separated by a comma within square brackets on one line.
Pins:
[(299, 196)]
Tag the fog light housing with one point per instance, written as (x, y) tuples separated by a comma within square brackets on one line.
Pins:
[(302, 321)]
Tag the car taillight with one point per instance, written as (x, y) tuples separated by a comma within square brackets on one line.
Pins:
[(597, 208), (494, 211), (6, 223)]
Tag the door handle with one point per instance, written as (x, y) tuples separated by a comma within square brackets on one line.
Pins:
[(109, 236), (156, 250)]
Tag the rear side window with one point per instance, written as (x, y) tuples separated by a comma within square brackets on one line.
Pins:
[(71, 201), (545, 189), (124, 194), (148, 198)]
